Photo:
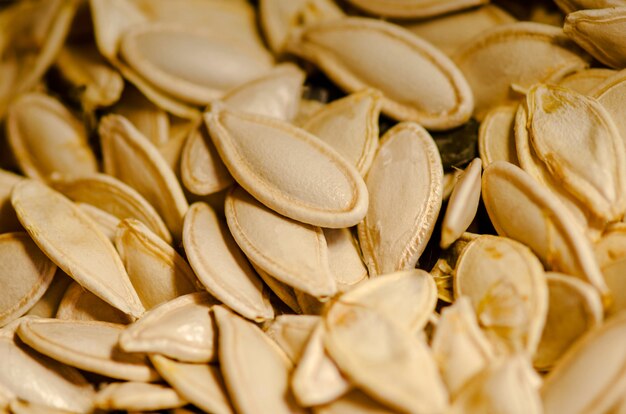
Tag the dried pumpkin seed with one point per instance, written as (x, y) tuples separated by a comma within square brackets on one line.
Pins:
[(48, 304), (8, 219), (201, 169), (74, 243), (405, 186), (359, 52), (21, 407), (601, 33), (201, 66), (94, 82), (569, 6), (463, 204), (284, 292), (384, 360), (38, 379), (543, 54), (152, 121), (158, 273), (112, 196), (413, 8), (515, 203), (37, 126), (312, 183), (496, 136), (450, 32), (181, 329), (25, 272), (131, 158), (610, 94), (137, 396), (256, 371), (354, 402), (299, 257), (586, 80), (574, 307), (580, 146), (200, 384), (221, 266), (350, 126), (87, 345), (82, 305), (507, 286)]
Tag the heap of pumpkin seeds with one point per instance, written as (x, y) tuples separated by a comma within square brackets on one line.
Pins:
[(309, 206)]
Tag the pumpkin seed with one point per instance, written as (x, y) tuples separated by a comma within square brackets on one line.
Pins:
[(82, 305), (26, 270), (344, 259), (405, 186), (74, 243), (334, 196), (87, 345), (496, 136), (413, 8), (48, 304), (600, 32), (292, 332), (137, 396), (221, 266), (586, 80), (105, 221), (359, 52), (181, 329), (152, 121)]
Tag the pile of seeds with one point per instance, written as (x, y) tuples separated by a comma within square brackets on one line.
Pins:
[(276, 207)]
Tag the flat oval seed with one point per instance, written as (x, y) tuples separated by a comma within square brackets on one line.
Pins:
[(586, 80), (131, 158), (276, 94), (387, 362), (199, 65), (569, 6), (317, 379), (516, 203), (407, 298), (255, 369), (575, 138), (48, 304), (502, 387), (463, 204), (350, 126), (158, 273), (80, 304), (360, 52), (221, 266), (450, 32), (181, 329), (354, 402), (87, 345), (292, 332), (611, 94), (200, 384), (280, 18), (413, 8), (590, 376), (496, 136), (297, 257), (460, 348), (137, 396), (284, 292), (37, 126), (38, 379), (507, 286), (113, 196), (543, 53), (344, 258), (405, 184), (25, 272), (600, 32), (75, 244), (311, 183), (574, 308), (20, 407), (201, 169)]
